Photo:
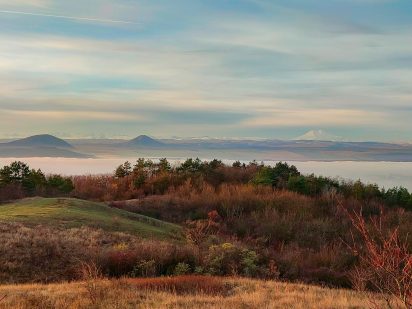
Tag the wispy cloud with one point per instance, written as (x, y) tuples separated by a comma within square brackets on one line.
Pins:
[(313, 117), (26, 3), (75, 18), (71, 115)]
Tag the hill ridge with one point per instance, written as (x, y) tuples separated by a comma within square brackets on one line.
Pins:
[(144, 141), (40, 140)]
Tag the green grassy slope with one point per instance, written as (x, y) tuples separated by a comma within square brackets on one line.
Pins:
[(68, 213)]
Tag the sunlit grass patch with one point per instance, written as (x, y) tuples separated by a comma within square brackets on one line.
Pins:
[(72, 213)]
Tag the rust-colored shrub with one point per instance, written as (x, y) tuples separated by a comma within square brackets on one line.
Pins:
[(121, 261), (183, 285), (11, 192)]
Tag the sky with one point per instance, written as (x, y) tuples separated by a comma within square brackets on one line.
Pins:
[(218, 68)]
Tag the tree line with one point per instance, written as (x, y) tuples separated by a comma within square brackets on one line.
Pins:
[(281, 176), (18, 180), (146, 177)]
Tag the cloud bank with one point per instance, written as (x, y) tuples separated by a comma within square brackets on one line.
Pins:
[(228, 68)]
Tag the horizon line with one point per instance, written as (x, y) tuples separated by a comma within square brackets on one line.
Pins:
[(206, 138)]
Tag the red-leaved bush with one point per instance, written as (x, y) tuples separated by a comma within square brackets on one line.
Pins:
[(183, 285)]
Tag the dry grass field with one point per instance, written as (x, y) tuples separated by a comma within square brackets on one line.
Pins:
[(181, 292)]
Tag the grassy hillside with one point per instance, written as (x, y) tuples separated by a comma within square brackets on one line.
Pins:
[(73, 213), (181, 292)]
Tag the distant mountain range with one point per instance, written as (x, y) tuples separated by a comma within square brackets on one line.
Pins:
[(315, 145)]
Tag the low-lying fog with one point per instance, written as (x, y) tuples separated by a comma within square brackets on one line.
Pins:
[(385, 174)]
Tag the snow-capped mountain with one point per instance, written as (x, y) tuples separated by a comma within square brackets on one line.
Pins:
[(319, 135)]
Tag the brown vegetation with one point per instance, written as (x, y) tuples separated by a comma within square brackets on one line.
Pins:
[(163, 293), (233, 229), (183, 285), (245, 220), (302, 235), (44, 254)]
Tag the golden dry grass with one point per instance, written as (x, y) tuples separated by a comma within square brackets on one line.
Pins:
[(123, 293)]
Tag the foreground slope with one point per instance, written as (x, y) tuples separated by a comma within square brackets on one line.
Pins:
[(72, 213), (237, 293)]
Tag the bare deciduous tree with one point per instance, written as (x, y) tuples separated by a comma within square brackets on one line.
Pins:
[(385, 263)]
